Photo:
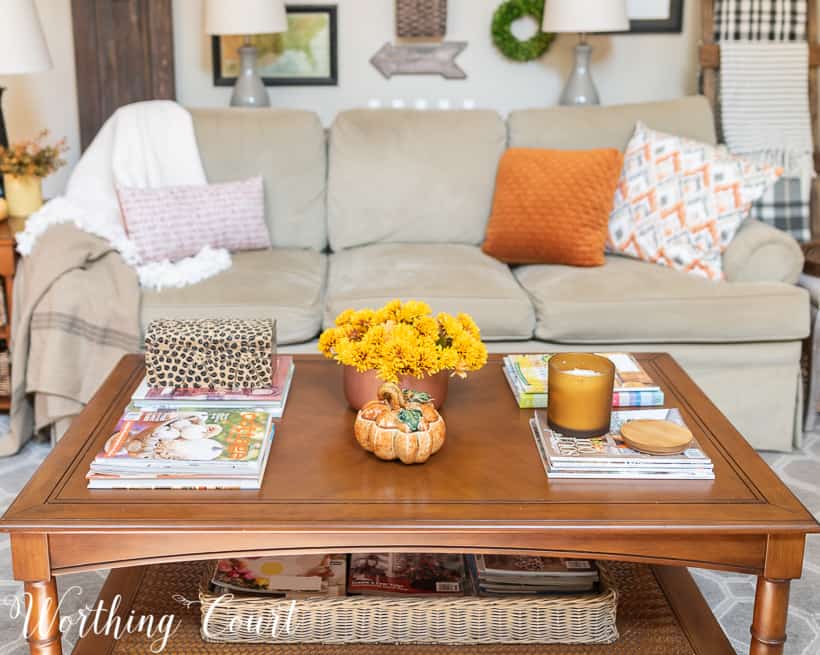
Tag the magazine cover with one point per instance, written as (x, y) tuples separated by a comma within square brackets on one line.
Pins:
[(532, 566), (275, 394), (610, 449), (407, 574), (530, 373), (187, 437), (302, 575)]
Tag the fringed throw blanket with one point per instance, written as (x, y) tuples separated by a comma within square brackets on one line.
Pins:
[(766, 115), (76, 314)]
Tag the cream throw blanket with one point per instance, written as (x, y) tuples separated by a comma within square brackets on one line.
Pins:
[(144, 145)]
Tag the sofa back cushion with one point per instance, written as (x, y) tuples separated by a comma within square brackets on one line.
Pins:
[(576, 128), (412, 176), (288, 149)]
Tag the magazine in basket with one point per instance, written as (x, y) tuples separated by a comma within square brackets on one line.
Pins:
[(407, 574), (288, 576)]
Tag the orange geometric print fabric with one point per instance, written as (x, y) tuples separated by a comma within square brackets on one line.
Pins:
[(552, 206), (679, 203)]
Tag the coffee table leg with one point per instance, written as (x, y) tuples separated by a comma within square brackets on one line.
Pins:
[(44, 625)]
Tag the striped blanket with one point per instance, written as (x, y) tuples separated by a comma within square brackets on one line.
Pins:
[(76, 314)]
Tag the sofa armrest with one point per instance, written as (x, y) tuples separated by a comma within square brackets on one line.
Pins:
[(761, 253)]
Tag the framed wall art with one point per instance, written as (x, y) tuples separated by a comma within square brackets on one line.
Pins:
[(305, 55), (655, 16)]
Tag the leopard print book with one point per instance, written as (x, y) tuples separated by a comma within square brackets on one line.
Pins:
[(214, 354)]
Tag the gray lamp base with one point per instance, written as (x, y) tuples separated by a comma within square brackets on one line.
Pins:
[(580, 89), (249, 90)]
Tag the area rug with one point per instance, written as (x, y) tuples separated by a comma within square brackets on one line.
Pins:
[(731, 596)]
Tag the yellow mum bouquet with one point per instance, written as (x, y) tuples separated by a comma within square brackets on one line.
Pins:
[(404, 339)]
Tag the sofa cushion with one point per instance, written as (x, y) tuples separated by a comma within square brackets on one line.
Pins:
[(287, 148), (630, 301), (451, 278), (575, 128), (285, 284), (412, 176)]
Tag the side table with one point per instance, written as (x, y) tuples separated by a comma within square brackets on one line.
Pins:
[(7, 268), (810, 280)]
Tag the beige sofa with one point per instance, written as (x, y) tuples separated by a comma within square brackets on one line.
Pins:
[(393, 204)]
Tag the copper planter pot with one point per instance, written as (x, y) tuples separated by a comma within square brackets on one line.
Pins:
[(361, 388)]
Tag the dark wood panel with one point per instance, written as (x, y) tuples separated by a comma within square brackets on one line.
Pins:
[(123, 51)]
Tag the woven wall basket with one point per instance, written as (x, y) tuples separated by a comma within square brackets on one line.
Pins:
[(421, 18), (559, 619)]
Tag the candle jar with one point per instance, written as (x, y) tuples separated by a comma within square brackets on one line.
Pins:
[(580, 394)]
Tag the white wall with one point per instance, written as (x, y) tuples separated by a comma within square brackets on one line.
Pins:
[(627, 69), (48, 100)]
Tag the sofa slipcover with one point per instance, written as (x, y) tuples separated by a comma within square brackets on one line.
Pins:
[(412, 176), (285, 284), (631, 301), (287, 148), (451, 278)]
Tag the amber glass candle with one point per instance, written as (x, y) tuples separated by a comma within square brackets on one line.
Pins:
[(580, 394)]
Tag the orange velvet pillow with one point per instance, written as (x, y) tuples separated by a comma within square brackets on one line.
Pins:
[(553, 206)]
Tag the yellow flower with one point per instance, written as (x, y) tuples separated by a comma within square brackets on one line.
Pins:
[(404, 339)]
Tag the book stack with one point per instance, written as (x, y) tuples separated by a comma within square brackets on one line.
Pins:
[(185, 448), (290, 576), (527, 377), (504, 575), (272, 399), (609, 457)]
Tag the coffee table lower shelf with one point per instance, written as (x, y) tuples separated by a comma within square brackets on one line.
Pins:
[(663, 612)]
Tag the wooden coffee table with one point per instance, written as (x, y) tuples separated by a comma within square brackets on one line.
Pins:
[(485, 491)]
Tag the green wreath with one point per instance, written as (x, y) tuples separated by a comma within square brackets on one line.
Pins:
[(506, 41)]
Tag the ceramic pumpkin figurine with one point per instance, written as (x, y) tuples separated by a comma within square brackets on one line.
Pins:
[(400, 425)]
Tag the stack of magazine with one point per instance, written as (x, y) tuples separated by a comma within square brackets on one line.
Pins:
[(270, 399), (527, 377), (504, 575), (185, 448), (609, 457)]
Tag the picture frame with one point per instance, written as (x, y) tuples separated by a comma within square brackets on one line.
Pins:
[(671, 25), (308, 58)]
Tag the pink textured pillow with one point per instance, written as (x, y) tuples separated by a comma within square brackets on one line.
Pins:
[(176, 222)]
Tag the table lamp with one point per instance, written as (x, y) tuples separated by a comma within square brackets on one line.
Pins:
[(583, 17), (22, 48), (246, 17)]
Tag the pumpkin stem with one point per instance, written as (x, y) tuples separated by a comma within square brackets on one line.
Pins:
[(391, 392)]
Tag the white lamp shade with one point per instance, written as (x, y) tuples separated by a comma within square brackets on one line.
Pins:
[(245, 17), (585, 16), (22, 44)]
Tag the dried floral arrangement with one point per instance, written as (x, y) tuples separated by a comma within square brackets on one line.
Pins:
[(404, 339), (33, 157)]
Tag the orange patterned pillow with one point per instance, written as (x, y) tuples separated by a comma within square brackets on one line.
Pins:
[(553, 206)]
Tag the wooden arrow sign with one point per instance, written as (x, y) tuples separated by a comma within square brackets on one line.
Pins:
[(437, 59)]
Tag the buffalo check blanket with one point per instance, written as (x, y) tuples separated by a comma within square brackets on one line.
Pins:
[(760, 20)]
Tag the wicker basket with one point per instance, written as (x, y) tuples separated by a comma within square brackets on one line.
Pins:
[(559, 619), (421, 18)]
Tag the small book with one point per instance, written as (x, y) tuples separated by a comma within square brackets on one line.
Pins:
[(271, 398), (527, 376)]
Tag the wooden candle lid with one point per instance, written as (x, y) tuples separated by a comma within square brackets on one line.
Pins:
[(656, 437)]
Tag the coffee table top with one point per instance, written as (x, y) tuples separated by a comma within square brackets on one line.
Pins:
[(488, 474)]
